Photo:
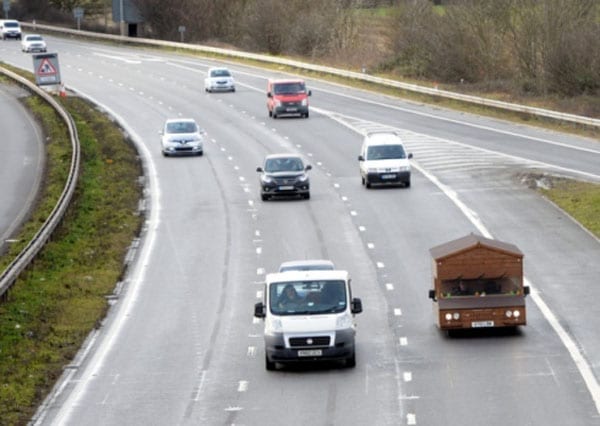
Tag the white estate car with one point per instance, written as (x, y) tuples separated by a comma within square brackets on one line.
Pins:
[(33, 43), (219, 79), (383, 160), (182, 136)]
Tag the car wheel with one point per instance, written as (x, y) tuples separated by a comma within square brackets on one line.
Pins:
[(274, 115), (269, 365), (233, 89), (362, 180), (264, 197), (351, 361), (407, 184), (307, 196), (367, 183), (165, 154), (201, 153)]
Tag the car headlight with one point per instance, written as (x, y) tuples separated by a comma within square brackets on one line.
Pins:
[(372, 170), (343, 322), (302, 178), (266, 179), (405, 168)]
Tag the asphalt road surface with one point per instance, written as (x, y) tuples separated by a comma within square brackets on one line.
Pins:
[(181, 347), (22, 159)]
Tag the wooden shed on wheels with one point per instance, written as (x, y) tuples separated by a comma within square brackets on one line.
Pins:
[(478, 282)]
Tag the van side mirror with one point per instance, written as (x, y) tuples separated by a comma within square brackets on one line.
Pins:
[(259, 310), (361, 158), (410, 155), (259, 169), (526, 290), (310, 93), (432, 295), (269, 95), (356, 306)]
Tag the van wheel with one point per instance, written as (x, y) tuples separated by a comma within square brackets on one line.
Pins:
[(269, 365), (407, 184), (351, 362), (306, 115), (270, 113)]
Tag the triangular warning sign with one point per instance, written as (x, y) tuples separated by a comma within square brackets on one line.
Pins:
[(46, 68)]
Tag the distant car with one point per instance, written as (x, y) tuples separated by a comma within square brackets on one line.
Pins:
[(9, 28), (307, 265), (383, 160), (219, 79), (284, 174), (182, 136), (33, 43)]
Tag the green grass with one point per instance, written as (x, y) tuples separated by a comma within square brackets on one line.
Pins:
[(53, 307), (580, 199)]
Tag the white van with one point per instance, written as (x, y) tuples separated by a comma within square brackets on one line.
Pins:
[(308, 316), (9, 28), (383, 160)]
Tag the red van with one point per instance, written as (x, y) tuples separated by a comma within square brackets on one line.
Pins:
[(287, 97)]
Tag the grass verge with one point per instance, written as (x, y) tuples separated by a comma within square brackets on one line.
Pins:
[(580, 199), (53, 306)]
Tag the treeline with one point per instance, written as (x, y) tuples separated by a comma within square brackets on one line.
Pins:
[(532, 46)]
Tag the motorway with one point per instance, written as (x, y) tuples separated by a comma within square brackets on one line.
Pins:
[(21, 154), (181, 347)]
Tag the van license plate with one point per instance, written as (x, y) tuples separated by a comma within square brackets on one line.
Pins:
[(392, 176), (479, 324), (310, 352), (291, 109)]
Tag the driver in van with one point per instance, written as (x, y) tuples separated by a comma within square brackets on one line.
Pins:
[(288, 296)]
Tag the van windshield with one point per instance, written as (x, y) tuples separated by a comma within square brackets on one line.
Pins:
[(307, 297), (385, 152), (289, 88), (11, 24)]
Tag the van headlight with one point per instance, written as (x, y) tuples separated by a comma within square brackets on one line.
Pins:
[(343, 322), (304, 102), (275, 326)]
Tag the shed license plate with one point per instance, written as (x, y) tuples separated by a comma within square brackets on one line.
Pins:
[(479, 324), (388, 176), (310, 352), (286, 188)]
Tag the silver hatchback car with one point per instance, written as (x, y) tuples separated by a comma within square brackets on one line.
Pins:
[(182, 136)]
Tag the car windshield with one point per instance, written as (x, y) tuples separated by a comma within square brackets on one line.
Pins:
[(220, 73), (287, 164), (11, 24), (307, 297), (385, 152), (282, 88), (182, 127), (34, 38)]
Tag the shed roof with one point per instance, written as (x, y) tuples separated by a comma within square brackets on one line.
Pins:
[(469, 242)]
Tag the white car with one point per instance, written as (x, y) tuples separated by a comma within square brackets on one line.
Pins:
[(219, 79), (33, 43), (182, 136), (383, 160)]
